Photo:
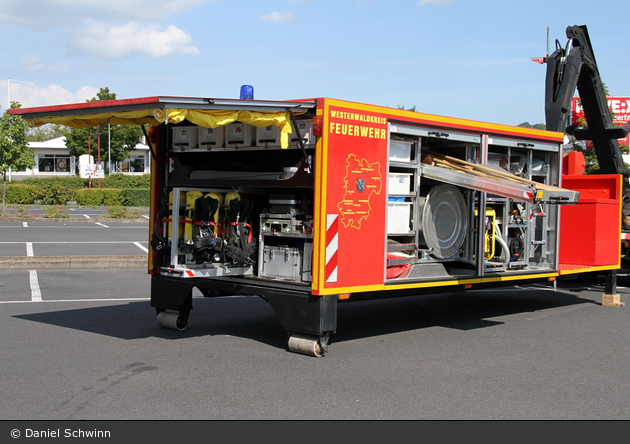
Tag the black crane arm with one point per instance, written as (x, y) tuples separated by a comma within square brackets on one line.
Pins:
[(575, 66)]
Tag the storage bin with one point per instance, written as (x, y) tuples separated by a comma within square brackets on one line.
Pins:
[(269, 136), (400, 151), (398, 217), (185, 138), (240, 134), (211, 137), (399, 183)]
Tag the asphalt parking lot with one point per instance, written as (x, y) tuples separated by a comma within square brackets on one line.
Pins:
[(83, 344), (85, 240)]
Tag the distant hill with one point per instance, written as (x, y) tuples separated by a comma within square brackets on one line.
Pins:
[(540, 126)]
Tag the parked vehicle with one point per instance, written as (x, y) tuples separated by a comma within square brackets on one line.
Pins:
[(318, 202)]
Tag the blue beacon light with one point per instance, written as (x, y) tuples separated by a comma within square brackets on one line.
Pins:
[(247, 92)]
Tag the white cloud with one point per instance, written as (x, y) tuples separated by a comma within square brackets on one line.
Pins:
[(30, 95), (134, 9), (67, 13), (276, 17), (33, 63), (31, 60), (105, 28), (110, 41)]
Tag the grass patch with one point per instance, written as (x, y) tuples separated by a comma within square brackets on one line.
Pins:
[(119, 212), (56, 213)]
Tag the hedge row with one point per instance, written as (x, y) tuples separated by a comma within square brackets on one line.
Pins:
[(21, 194), (118, 180), (18, 194)]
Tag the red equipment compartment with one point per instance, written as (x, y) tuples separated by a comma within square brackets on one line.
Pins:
[(589, 230), (573, 164)]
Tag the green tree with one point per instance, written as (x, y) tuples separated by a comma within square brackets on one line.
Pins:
[(121, 138), (46, 132), (14, 151)]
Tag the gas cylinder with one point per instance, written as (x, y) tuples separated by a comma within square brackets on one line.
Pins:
[(191, 198)]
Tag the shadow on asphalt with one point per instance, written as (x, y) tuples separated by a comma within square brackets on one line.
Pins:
[(247, 317), (253, 318), (462, 311)]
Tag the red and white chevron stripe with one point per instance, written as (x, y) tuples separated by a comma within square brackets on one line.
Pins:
[(332, 245)]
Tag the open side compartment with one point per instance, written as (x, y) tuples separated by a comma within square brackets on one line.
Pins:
[(238, 210), (456, 174)]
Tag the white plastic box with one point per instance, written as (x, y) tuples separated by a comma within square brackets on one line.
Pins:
[(211, 137), (304, 129), (240, 134), (269, 136), (399, 183), (400, 151), (398, 217), (185, 138)]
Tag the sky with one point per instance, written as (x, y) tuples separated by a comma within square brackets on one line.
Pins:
[(468, 59)]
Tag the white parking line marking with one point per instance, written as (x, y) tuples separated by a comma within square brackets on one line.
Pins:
[(145, 216), (29, 249), (76, 300), (87, 216), (104, 300), (137, 244), (102, 225), (36, 294), (25, 224)]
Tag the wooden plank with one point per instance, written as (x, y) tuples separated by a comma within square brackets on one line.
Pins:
[(484, 171)]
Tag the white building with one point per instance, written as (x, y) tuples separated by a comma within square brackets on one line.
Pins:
[(52, 159)]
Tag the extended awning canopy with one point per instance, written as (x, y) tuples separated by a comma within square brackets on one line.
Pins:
[(209, 113)]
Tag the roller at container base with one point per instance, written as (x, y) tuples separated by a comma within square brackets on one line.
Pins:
[(319, 202)]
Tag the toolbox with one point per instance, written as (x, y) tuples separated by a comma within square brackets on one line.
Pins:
[(282, 262)]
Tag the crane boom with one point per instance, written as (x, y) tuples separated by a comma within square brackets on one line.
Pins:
[(575, 66)]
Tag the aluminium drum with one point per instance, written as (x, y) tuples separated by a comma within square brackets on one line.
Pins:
[(443, 221)]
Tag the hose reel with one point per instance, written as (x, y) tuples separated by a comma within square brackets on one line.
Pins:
[(443, 221)]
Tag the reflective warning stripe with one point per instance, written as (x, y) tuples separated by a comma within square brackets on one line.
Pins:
[(332, 244)]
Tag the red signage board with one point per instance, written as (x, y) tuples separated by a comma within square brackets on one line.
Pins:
[(619, 106)]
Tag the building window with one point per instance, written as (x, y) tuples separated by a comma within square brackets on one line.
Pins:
[(51, 163), (134, 164)]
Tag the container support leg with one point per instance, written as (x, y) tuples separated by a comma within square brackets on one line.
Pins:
[(611, 298)]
